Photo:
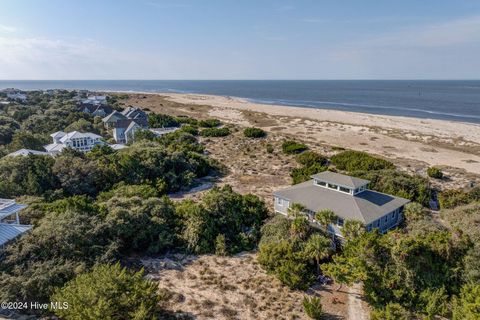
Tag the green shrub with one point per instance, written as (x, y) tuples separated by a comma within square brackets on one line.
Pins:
[(269, 148), (453, 198), (310, 158), (434, 172), (209, 123), (312, 163), (254, 133), (392, 311), (357, 160), (156, 120), (313, 307), (413, 187), (190, 129), (108, 292), (293, 147), (215, 132)]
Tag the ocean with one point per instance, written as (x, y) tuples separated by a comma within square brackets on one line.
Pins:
[(443, 99)]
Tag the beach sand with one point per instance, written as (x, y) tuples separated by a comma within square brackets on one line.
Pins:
[(435, 142)]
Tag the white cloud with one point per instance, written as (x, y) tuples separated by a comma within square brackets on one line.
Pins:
[(40, 58), (7, 29), (456, 32), (446, 50)]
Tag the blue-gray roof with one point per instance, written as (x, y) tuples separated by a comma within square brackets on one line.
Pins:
[(366, 206), (9, 207), (11, 231), (340, 179)]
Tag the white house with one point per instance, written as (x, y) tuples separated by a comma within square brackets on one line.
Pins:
[(26, 152), (77, 140), (10, 226), (17, 96), (95, 100)]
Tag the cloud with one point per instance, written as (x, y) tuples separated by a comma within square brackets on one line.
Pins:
[(40, 58), (7, 29), (456, 32), (446, 50)]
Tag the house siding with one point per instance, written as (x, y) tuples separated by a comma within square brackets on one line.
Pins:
[(281, 207)]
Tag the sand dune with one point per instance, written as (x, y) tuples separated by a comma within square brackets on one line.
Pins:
[(435, 142)]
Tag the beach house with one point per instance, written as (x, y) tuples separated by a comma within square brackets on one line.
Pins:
[(10, 227), (348, 197), (126, 123), (100, 110), (77, 140)]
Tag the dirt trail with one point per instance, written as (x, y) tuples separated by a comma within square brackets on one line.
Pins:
[(356, 309)]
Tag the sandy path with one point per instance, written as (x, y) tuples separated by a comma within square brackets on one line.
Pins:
[(356, 310)]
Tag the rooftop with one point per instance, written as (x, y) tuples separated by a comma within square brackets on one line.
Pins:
[(340, 179), (11, 231), (79, 135), (366, 206), (26, 152), (9, 207)]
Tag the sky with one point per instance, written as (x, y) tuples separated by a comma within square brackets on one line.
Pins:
[(239, 39)]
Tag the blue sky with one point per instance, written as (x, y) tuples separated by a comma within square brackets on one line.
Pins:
[(234, 39)]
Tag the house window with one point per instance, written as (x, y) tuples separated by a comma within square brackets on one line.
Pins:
[(376, 223), (280, 201), (346, 190), (320, 183), (332, 186), (340, 222), (385, 219)]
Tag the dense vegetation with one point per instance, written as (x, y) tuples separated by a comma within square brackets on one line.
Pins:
[(100, 294), (412, 187), (215, 132), (434, 172), (254, 132), (292, 250), (357, 160), (293, 147), (157, 120), (311, 163), (74, 234), (457, 197), (420, 270)]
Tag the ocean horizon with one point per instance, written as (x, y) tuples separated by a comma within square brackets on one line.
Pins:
[(454, 100)]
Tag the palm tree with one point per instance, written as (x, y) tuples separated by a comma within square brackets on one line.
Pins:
[(353, 229), (318, 247), (299, 227), (325, 218), (295, 210)]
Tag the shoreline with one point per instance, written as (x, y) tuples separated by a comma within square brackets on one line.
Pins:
[(413, 143), (253, 101)]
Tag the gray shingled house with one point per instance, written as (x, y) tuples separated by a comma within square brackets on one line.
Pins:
[(348, 197)]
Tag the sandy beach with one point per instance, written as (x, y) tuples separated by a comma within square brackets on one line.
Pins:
[(413, 142)]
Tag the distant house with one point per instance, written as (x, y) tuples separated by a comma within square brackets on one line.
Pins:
[(95, 109), (96, 100), (77, 140), (126, 123), (124, 130), (348, 197), (136, 114), (110, 120), (10, 227), (26, 152)]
